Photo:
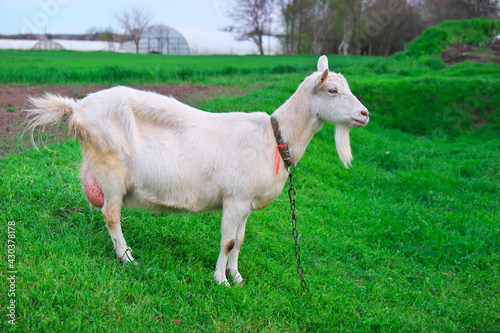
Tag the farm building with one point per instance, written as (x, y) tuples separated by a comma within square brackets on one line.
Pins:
[(156, 39), (163, 39), (59, 44), (47, 45)]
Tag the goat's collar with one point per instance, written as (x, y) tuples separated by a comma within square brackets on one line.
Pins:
[(281, 144)]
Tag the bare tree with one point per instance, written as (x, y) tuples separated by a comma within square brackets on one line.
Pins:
[(289, 13), (322, 23), (108, 35), (134, 21), (389, 26), (351, 12), (297, 17), (483, 8), (92, 33), (100, 34), (436, 11), (253, 19)]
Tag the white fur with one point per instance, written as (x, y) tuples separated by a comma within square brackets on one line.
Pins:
[(150, 151)]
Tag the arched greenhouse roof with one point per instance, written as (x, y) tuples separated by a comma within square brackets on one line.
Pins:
[(163, 39)]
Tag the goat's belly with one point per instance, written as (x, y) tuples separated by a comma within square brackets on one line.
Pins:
[(262, 202), (267, 197), (142, 199)]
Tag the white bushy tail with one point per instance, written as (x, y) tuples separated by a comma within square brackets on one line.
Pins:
[(48, 110)]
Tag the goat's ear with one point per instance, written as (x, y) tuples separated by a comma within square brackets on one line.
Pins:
[(322, 63), (322, 67), (322, 78)]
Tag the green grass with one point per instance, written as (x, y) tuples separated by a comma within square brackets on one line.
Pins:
[(69, 67), (406, 240), (477, 32)]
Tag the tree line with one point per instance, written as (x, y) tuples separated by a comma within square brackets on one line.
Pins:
[(360, 27)]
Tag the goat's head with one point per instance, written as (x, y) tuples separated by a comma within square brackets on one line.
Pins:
[(333, 101)]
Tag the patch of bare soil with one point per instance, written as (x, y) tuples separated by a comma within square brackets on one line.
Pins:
[(459, 52), (14, 99)]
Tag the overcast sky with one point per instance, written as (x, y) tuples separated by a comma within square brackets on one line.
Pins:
[(199, 21)]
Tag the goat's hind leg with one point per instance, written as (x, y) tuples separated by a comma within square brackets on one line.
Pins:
[(111, 212), (113, 189)]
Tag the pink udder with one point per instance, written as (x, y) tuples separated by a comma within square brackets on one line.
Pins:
[(92, 190)]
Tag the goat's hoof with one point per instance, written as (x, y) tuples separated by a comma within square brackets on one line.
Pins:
[(129, 261), (127, 257), (221, 282), (237, 279)]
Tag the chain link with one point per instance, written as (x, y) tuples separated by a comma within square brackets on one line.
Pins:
[(285, 155), (295, 232)]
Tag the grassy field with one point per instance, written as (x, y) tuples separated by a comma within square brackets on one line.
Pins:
[(406, 240)]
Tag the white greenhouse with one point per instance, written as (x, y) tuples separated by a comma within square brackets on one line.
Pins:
[(163, 39)]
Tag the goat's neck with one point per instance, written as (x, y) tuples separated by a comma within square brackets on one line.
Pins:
[(297, 124)]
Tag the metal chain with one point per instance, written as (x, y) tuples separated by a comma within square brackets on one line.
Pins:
[(295, 232)]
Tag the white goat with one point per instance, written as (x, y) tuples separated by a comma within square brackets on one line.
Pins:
[(144, 150)]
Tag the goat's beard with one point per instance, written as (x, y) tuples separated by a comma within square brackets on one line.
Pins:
[(342, 143)]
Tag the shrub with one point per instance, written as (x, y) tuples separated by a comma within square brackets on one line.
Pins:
[(434, 40)]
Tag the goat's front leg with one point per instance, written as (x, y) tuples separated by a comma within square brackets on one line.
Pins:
[(234, 215), (232, 265)]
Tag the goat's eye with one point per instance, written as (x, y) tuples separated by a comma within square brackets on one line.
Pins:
[(333, 91)]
